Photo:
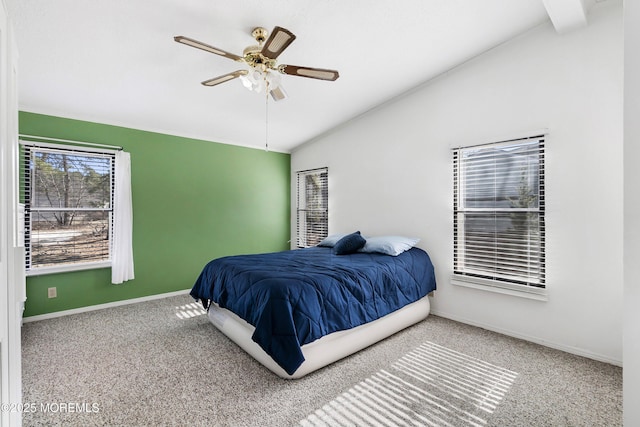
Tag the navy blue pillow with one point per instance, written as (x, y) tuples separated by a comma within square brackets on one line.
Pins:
[(349, 244)]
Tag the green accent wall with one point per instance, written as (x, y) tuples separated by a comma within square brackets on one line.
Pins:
[(193, 201)]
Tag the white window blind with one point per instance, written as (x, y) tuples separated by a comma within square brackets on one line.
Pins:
[(68, 196), (313, 207), (499, 226)]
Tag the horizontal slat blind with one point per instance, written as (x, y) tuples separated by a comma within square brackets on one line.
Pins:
[(499, 229), (313, 206), (68, 198)]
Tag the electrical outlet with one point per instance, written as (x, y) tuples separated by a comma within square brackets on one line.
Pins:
[(52, 292)]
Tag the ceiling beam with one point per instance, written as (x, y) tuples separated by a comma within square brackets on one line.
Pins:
[(566, 15)]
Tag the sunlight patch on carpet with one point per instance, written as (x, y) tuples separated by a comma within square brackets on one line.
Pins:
[(188, 311), (429, 386)]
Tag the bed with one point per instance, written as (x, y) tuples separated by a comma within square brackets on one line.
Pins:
[(299, 310)]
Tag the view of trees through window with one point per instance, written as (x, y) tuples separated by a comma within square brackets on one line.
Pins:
[(68, 201), (499, 212), (312, 207)]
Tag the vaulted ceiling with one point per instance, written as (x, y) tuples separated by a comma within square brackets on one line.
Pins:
[(115, 61)]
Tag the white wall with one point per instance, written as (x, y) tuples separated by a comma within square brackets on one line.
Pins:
[(390, 171), (12, 278), (631, 355)]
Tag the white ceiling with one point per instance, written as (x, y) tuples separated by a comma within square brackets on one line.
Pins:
[(115, 61)]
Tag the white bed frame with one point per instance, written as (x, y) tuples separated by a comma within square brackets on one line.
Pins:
[(327, 349)]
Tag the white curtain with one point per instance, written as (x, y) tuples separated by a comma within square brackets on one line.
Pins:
[(122, 252)]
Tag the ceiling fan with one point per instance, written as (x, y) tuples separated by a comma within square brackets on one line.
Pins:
[(262, 62)]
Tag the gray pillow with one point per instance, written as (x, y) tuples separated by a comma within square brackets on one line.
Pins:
[(390, 245), (330, 241)]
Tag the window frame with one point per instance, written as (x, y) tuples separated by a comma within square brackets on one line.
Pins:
[(29, 147), (463, 276), (305, 238)]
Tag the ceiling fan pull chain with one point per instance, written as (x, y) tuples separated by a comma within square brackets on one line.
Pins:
[(266, 114)]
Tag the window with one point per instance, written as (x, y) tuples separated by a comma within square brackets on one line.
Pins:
[(499, 228), (68, 197), (313, 208)]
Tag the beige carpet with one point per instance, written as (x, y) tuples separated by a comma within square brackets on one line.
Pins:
[(162, 363)]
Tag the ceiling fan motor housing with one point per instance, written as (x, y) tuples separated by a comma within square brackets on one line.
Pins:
[(258, 61), (252, 55)]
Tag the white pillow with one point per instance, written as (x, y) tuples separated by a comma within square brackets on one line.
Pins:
[(390, 245), (330, 241)]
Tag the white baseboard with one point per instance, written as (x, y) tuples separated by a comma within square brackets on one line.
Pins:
[(102, 306), (537, 340)]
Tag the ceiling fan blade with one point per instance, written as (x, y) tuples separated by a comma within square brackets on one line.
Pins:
[(277, 42), (225, 78), (314, 73), (204, 46), (278, 94)]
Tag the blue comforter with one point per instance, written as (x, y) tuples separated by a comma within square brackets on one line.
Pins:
[(295, 297)]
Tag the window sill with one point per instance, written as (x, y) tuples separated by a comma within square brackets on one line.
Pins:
[(68, 268), (499, 287)]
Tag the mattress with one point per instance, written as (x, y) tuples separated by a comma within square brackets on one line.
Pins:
[(293, 298), (327, 349)]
